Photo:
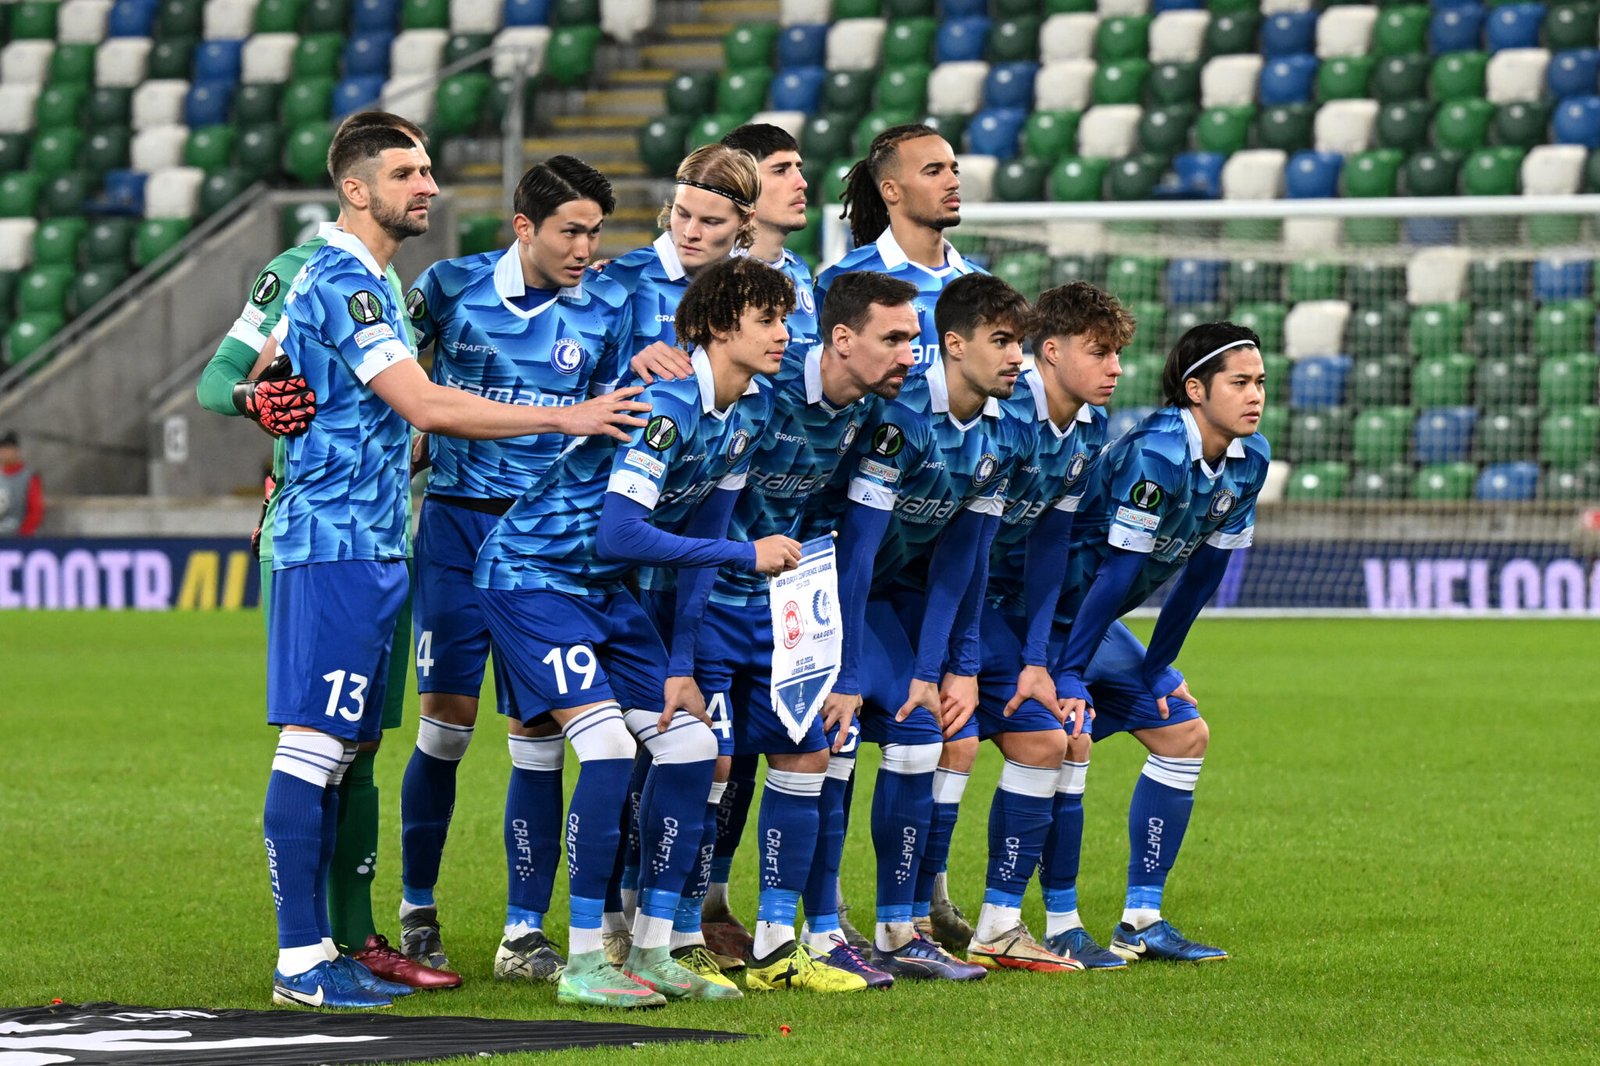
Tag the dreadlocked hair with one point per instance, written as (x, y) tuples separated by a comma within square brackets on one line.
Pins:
[(863, 203), (1081, 309), (717, 299), (723, 168)]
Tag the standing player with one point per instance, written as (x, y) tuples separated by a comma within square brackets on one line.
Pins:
[(577, 647), (900, 199), (340, 528), (1078, 332), (529, 325), (1171, 498), (281, 403)]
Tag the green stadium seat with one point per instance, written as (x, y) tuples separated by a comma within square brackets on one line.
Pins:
[(14, 150), (1403, 125), (1444, 482), (1564, 327), (1173, 83), (1266, 318), (847, 92), (857, 9), (570, 57), (1184, 317), (1462, 125), (806, 242), (1164, 131), (692, 93), (1224, 129), (56, 241), (952, 127), (317, 56), (1027, 272), (1382, 435), (1501, 328), (903, 89), (826, 137), (67, 193), (1581, 482), (1274, 426), (1568, 26), (1078, 179), (1382, 381), (210, 148), (575, 13), (1140, 383), (750, 45), (1286, 127), (43, 290), (1006, 9), (1317, 482), (661, 144), (259, 151), (171, 57), (1131, 277), (1376, 329), (425, 14), (1375, 173), (1458, 76), (711, 129), (1431, 174), (1438, 329), (1401, 31), (305, 156), (459, 102), (29, 333), (1568, 380), (8, 292), (1232, 33), (1442, 380), (73, 64), (1150, 316), (909, 41), (1251, 280), (1379, 483), (1344, 77), (481, 233), (1569, 436), (1277, 371), (1523, 124), (34, 20), (154, 236), (1120, 82), (1497, 281), (1122, 37), (833, 180), (325, 16), (59, 106), (307, 100), (109, 107), (1067, 7), (874, 123), (1016, 40), (108, 241), (462, 45), (277, 16), (1506, 434), (1374, 282), (57, 151), (1078, 267), (1397, 78), (1493, 172), (1319, 436), (180, 18), (1505, 380), (1050, 135), (221, 189), (1135, 177), (1314, 280), (94, 284), (1021, 180), (19, 194)]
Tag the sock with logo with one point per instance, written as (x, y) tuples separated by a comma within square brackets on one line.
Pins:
[(733, 813), (1019, 818), (672, 807), (786, 835), (1063, 845), (354, 863), (902, 808), (627, 872), (605, 751), (1158, 815), (686, 922), (822, 883), (948, 788), (293, 825), (533, 825)]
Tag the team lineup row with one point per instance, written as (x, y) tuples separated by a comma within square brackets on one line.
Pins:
[(988, 540)]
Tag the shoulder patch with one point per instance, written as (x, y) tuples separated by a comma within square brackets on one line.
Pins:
[(266, 290), (661, 433), (888, 440), (1146, 495), (416, 305), (365, 307)]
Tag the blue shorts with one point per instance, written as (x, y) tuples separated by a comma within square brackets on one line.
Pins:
[(1121, 702), (885, 676), (997, 682), (557, 651), (452, 638), (330, 628)]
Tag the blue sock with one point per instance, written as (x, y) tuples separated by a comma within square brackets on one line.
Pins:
[(948, 785), (628, 858), (427, 800), (329, 838), (787, 832), (686, 921), (594, 824), (1158, 815), (822, 886), (533, 821), (902, 808), (733, 813), (292, 821), (523, 920), (672, 821), (1019, 818), (1063, 844)]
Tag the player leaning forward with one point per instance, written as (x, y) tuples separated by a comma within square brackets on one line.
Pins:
[(339, 532), (579, 649)]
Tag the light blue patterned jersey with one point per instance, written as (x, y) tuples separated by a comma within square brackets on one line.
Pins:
[(346, 492), (654, 279), (805, 331), (805, 445), (1150, 491), (885, 255), (485, 344), (687, 450), (926, 467), (1047, 471)]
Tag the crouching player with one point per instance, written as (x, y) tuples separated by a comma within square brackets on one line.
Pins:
[(578, 649), (1171, 498)]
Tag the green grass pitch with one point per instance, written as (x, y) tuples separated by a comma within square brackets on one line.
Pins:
[(1395, 836)]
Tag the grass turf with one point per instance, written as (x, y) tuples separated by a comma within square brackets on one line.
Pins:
[(1394, 836)]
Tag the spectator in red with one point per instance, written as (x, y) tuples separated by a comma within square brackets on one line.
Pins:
[(21, 492)]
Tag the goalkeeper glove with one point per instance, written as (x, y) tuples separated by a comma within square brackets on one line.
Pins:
[(279, 401)]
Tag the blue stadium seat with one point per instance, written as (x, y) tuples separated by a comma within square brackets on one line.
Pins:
[(1194, 281), (802, 46), (132, 18), (1429, 231), (207, 103), (1198, 176), (1444, 434), (1010, 85), (1290, 33), (1287, 80), (1577, 121), (375, 16), (1508, 482), (1176, 5), (961, 39), (124, 193), (1124, 419), (994, 130), (1313, 175), (367, 54), (527, 12), (1514, 26), (1455, 29), (1575, 72), (798, 89), (217, 61), (1561, 279), (1318, 382), (356, 94), (960, 9)]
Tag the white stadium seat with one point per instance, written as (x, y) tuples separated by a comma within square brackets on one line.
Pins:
[(1315, 327), (1277, 481), (1437, 275), (957, 88), (1553, 170), (82, 21), (1109, 131), (1345, 126), (1178, 36), (1311, 234), (855, 44), (119, 62), (1284, 7), (1230, 81), (1516, 75), (1254, 174), (1068, 36), (516, 46), (476, 16), (16, 243), (1114, 8), (410, 97), (417, 53), (26, 62), (158, 102), (173, 192), (16, 107), (624, 20), (228, 20), (1067, 85), (977, 177), (1346, 31), (268, 58), (804, 12), (157, 148), (792, 122)]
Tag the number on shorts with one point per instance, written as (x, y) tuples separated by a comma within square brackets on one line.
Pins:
[(358, 693), (579, 660), (425, 653), (717, 708)]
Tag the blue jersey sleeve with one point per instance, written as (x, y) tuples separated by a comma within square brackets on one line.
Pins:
[(639, 469), (1194, 587), (422, 303), (356, 319), (1141, 492), (1099, 609), (896, 448), (614, 368)]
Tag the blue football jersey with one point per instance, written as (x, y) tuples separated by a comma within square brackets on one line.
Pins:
[(346, 491), (1047, 471), (1152, 492), (885, 255), (805, 331), (805, 445), (656, 282), (925, 466), (687, 450), (485, 344)]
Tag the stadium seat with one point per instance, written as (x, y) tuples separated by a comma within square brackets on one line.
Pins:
[(1074, 178), (1462, 125), (131, 18), (1024, 271), (1108, 131), (1388, 482), (1014, 40), (1456, 29), (575, 12), (1401, 31), (325, 16), (1315, 327), (1507, 434), (1508, 482), (1568, 437), (1442, 380), (1313, 175), (1444, 434), (961, 40), (1288, 80), (1516, 74), (1021, 180), (797, 46), (1346, 31), (210, 148), (691, 93), (977, 176), (1134, 277), (1230, 81), (710, 129), (1224, 129), (909, 41), (1561, 279), (367, 54), (28, 334), (1577, 121), (1505, 381), (1437, 329), (424, 14), (1458, 76), (1383, 380), (994, 132), (1376, 329), (420, 52), (1232, 33), (743, 92), (1318, 482), (1068, 36), (1319, 436), (1372, 174), (207, 104), (1313, 280), (222, 188), (1052, 135), (661, 144), (1318, 382), (957, 88), (1134, 177), (1568, 381), (368, 16), (570, 56), (1430, 174), (71, 64), (1564, 328), (1382, 435), (1266, 319), (459, 102), (1010, 85), (1581, 482), (1444, 482), (1285, 128), (1573, 73), (798, 89), (1492, 171), (1178, 36), (1513, 26), (279, 16), (218, 61), (93, 284), (751, 44), (43, 290), (874, 123), (1397, 78), (305, 153), (1526, 125), (1289, 33), (1120, 82), (1173, 83), (1404, 126)]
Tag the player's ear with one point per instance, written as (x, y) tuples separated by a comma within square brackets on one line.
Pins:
[(1195, 390), (524, 228), (1049, 351), (955, 343), (841, 339)]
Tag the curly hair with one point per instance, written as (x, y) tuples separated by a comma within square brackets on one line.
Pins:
[(863, 201), (727, 171), (1079, 308), (717, 299)]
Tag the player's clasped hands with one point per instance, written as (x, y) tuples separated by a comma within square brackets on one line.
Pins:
[(614, 414), (777, 555)]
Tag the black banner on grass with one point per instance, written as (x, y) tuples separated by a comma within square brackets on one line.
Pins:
[(107, 1034)]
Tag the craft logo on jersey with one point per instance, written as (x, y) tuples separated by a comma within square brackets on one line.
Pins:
[(888, 439), (567, 355), (792, 628), (849, 437), (1222, 503), (738, 446), (365, 307), (660, 433), (988, 465), (1146, 496), (266, 289), (1075, 468), (416, 305)]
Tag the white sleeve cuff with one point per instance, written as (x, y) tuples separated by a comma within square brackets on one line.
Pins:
[(1133, 540), (987, 505), (1228, 541), (868, 494), (635, 487), (1069, 503), (734, 482), (379, 358)]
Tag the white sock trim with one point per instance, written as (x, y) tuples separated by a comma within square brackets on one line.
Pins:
[(794, 783), (1019, 780), (599, 734), (687, 739), (949, 785), (1174, 773), (537, 753), (911, 758), (840, 767), (1074, 776), (717, 790), (442, 740), (312, 757)]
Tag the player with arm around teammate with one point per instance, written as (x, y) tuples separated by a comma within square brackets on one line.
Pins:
[(577, 647), (1169, 499)]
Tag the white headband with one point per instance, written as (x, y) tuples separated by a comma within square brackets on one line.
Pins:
[(1198, 363)]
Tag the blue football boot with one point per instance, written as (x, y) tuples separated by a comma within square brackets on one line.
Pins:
[(369, 980), (1078, 944), (920, 959), (1161, 941), (325, 985)]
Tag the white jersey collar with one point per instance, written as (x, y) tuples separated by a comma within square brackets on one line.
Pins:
[(344, 240), (1041, 405), (939, 396), (707, 380), (510, 284), (893, 255), (1196, 454), (667, 252)]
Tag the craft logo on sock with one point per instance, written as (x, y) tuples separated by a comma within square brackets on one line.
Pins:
[(908, 854), (1152, 857), (272, 871), (572, 844), (769, 862), (1008, 866), (524, 850), (669, 836), (793, 628)]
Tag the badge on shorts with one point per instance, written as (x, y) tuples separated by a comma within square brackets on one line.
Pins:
[(416, 305), (888, 439), (266, 290), (1146, 496), (365, 307), (661, 433), (567, 355), (1222, 503)]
